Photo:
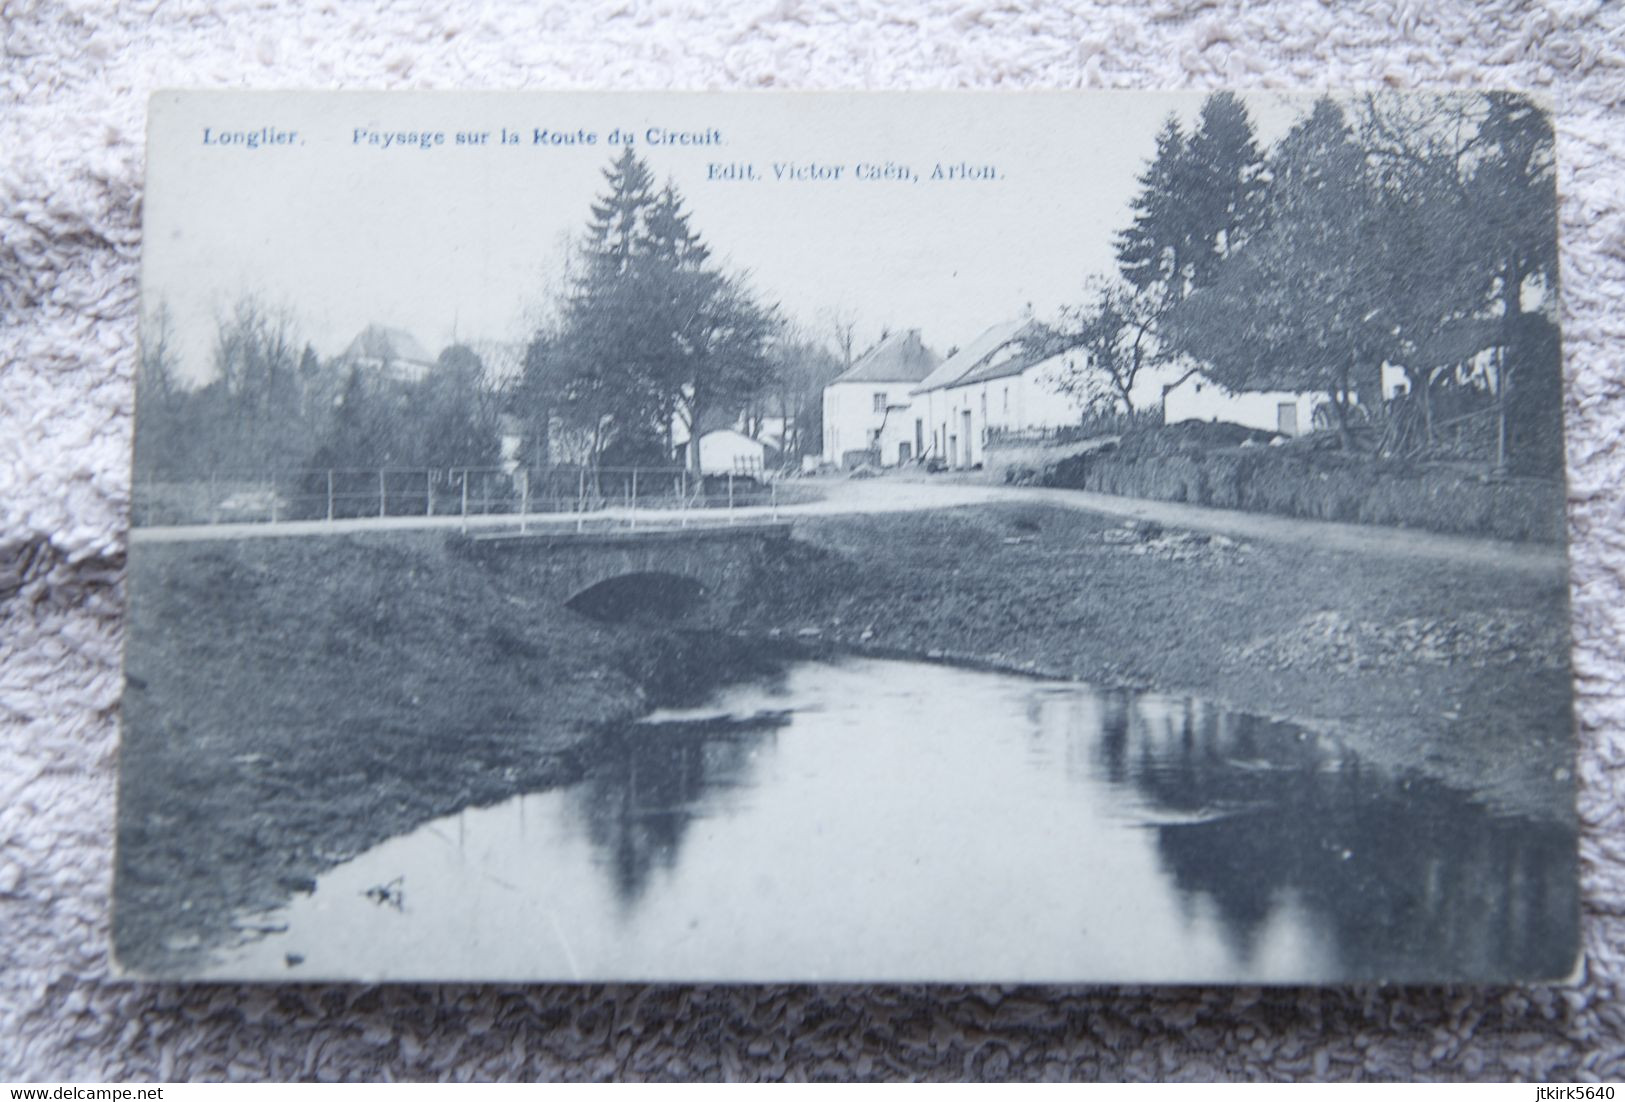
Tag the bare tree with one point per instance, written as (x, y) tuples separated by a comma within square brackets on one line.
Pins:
[(841, 323), (1116, 328), (158, 396), (256, 360)]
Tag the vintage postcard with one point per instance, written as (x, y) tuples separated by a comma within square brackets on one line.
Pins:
[(917, 537)]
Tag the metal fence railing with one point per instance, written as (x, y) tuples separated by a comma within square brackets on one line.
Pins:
[(337, 493)]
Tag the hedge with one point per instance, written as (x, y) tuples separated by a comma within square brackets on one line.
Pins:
[(1323, 486)]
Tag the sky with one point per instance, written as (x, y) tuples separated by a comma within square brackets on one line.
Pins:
[(348, 209)]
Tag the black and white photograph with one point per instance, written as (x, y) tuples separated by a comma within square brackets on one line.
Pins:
[(945, 537)]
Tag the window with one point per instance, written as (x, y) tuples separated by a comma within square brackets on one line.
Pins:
[(880, 401)]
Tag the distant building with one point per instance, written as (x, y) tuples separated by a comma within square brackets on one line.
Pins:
[(393, 353), (868, 410), (1198, 398), (999, 381), (511, 441), (1287, 412), (725, 448), (729, 451)]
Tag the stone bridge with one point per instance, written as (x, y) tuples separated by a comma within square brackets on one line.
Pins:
[(692, 574)]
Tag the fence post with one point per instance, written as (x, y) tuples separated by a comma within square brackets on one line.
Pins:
[(465, 499), (524, 501), (428, 492), (682, 497), (274, 503), (329, 495), (774, 490), (730, 497), (634, 520), (581, 499)]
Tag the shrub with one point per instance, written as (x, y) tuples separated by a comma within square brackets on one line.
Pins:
[(1320, 485)]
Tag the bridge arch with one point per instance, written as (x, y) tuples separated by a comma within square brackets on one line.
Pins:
[(639, 595), (691, 573)]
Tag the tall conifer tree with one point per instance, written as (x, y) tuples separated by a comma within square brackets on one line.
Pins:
[(650, 330), (1224, 174), (1154, 251), (1308, 302)]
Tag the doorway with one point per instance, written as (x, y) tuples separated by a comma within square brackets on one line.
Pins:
[(1286, 418)]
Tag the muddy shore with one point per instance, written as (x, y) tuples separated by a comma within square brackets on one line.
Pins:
[(293, 702)]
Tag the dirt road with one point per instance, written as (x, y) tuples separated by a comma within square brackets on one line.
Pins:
[(889, 495)]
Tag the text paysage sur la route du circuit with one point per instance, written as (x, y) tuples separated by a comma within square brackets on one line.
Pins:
[(789, 171)]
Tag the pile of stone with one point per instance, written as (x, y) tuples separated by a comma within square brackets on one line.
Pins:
[(1147, 537), (1332, 639)]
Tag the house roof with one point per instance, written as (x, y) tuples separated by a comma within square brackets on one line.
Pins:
[(713, 419), (989, 356), (387, 344), (1457, 341), (733, 436), (899, 358), (1020, 360)]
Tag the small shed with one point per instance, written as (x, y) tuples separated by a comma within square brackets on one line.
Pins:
[(729, 451)]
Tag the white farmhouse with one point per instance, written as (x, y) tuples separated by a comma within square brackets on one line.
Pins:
[(1198, 398), (996, 382), (1287, 412), (868, 409)]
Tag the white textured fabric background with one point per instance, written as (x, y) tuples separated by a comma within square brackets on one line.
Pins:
[(75, 81)]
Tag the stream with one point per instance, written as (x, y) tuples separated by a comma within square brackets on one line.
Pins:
[(873, 819)]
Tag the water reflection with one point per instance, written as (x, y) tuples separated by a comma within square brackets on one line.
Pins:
[(647, 785), (892, 820), (1410, 877)]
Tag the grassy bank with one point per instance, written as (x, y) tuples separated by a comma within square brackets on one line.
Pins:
[(1459, 672), (291, 702)]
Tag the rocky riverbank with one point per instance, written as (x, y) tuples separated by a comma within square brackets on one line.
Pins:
[(1461, 672)]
